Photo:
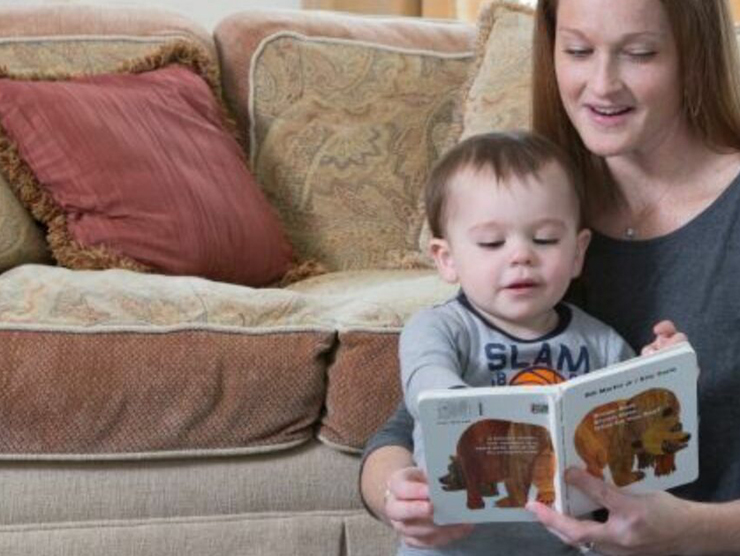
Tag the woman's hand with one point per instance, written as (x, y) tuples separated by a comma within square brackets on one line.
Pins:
[(666, 335), (409, 511), (645, 524)]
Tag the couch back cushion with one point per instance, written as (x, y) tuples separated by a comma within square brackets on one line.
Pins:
[(345, 115)]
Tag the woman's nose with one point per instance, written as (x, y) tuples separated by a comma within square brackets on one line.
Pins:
[(605, 78)]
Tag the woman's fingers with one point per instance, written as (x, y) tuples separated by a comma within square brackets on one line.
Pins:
[(604, 494), (570, 530)]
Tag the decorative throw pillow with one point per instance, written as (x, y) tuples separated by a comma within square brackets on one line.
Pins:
[(343, 135), (497, 95), (140, 170)]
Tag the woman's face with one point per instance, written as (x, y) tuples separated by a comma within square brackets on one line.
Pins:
[(618, 74)]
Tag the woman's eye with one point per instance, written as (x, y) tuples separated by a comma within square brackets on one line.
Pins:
[(578, 52), (641, 55), (546, 241)]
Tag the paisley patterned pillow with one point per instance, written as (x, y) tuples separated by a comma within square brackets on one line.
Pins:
[(343, 135), (497, 94)]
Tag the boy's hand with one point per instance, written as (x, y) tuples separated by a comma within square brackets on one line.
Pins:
[(665, 335), (409, 511)]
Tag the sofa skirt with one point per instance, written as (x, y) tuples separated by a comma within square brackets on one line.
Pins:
[(301, 501)]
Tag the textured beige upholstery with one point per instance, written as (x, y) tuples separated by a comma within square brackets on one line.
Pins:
[(153, 415)]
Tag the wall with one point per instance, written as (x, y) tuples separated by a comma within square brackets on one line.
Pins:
[(207, 12)]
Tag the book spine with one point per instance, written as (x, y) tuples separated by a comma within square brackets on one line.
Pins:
[(562, 464)]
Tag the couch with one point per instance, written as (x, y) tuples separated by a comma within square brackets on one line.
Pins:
[(176, 393)]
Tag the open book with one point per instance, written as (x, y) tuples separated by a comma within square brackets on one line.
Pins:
[(490, 450)]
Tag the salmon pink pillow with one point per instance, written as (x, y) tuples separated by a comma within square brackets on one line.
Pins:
[(139, 171)]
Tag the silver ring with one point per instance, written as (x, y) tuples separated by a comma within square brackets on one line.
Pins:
[(586, 547)]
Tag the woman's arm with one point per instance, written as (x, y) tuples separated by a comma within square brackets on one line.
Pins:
[(657, 523)]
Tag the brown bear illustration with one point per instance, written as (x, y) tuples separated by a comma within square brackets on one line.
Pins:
[(645, 427), (492, 451)]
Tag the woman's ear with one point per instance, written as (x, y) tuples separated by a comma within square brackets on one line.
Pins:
[(582, 241), (440, 251)]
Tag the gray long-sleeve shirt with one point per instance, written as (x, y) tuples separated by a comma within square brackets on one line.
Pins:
[(452, 345)]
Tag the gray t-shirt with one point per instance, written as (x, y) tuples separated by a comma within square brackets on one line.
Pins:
[(452, 345)]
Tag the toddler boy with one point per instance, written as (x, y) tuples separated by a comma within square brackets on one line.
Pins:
[(504, 212)]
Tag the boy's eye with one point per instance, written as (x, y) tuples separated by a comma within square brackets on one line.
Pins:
[(490, 244), (546, 241)]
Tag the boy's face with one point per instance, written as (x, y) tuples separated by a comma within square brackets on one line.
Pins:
[(513, 247)]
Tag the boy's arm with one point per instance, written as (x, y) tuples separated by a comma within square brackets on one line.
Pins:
[(429, 349)]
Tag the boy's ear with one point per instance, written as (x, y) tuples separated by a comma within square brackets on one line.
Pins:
[(439, 249), (582, 241)]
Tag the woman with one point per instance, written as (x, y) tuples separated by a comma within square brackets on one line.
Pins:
[(645, 94)]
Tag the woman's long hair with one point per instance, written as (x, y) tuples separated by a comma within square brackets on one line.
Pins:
[(709, 68)]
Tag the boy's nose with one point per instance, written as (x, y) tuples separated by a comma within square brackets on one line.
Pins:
[(521, 254)]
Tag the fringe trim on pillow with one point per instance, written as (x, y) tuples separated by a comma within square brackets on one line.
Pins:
[(301, 271), (65, 249), (408, 261)]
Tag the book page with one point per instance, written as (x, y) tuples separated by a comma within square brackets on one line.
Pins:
[(634, 425), (488, 451)]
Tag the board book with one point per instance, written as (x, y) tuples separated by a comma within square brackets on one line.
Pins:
[(491, 450)]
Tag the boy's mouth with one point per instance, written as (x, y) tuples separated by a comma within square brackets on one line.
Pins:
[(521, 285)]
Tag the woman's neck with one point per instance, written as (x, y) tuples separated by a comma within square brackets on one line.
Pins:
[(663, 190)]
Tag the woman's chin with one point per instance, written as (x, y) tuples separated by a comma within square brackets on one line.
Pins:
[(607, 147)]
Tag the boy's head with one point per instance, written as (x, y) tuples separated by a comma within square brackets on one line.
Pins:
[(504, 211)]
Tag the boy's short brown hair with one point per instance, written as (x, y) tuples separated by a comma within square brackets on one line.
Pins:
[(519, 153)]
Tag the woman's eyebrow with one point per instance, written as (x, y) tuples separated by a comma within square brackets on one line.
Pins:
[(624, 38)]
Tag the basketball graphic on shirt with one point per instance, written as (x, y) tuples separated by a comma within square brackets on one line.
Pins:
[(538, 376)]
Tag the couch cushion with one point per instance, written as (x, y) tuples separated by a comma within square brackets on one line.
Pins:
[(120, 363), (363, 379), (73, 39), (162, 185), (343, 132)]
